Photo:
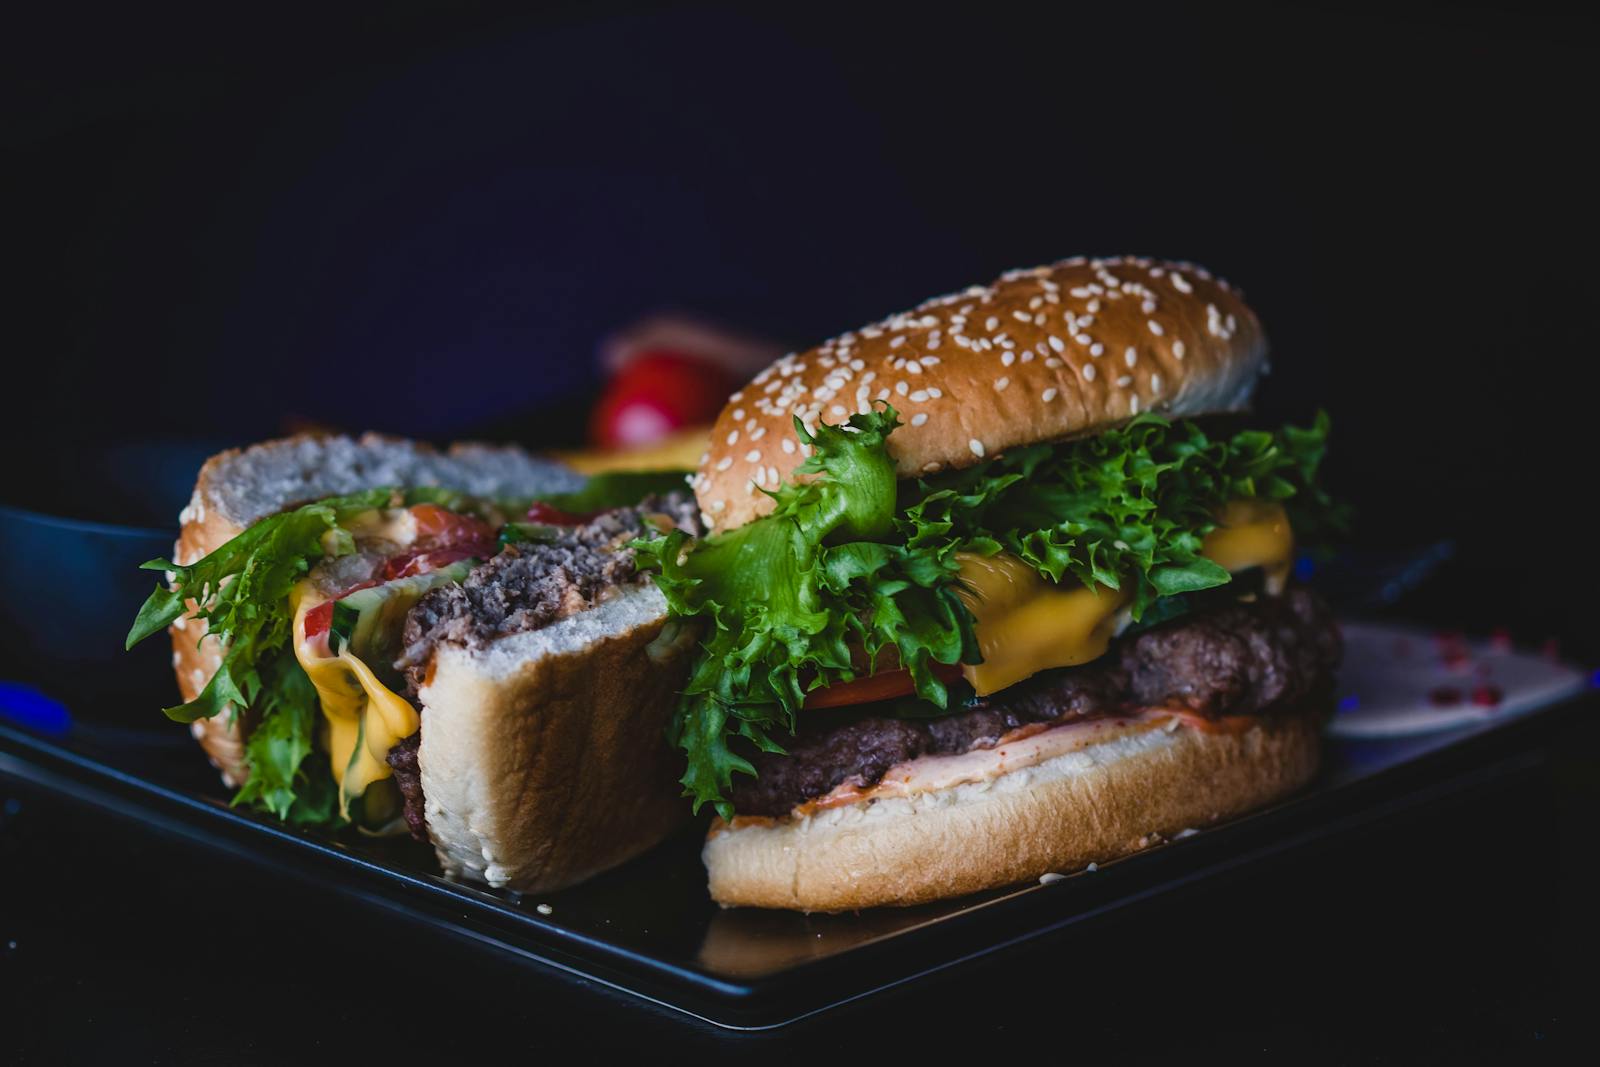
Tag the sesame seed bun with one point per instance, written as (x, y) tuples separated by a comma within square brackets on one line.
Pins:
[(1039, 355)]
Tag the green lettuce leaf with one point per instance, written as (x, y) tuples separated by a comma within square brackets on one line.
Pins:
[(242, 590), (616, 489), (788, 596)]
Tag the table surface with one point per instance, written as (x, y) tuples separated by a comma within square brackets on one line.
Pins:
[(1447, 932)]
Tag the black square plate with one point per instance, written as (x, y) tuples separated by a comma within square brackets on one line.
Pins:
[(650, 930)]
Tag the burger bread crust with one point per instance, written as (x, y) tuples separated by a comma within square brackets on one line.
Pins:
[(238, 487), (542, 755), (1039, 355), (1096, 804)]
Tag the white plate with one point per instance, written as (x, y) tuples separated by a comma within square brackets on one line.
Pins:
[(1397, 681)]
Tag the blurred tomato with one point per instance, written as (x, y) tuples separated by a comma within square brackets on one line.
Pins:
[(657, 392)]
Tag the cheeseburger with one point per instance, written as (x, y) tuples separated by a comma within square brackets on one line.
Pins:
[(997, 587)]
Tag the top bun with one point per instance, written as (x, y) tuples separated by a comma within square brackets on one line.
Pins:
[(1040, 355)]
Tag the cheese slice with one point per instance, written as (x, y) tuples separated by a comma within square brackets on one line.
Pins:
[(1253, 533), (365, 718), (1026, 623)]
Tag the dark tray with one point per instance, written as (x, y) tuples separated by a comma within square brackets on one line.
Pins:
[(650, 930)]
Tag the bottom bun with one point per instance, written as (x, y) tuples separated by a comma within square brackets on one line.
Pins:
[(1087, 806)]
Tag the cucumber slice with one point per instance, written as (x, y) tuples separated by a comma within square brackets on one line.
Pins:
[(380, 617)]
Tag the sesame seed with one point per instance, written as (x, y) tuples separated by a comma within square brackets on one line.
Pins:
[(758, 433), (914, 366), (1125, 381), (936, 393), (1097, 350), (772, 475), (736, 397), (897, 341), (753, 456), (738, 413), (733, 437), (1001, 383), (901, 388), (918, 397), (838, 411), (724, 463), (919, 418), (787, 444), (1007, 358), (991, 323), (719, 505), (1131, 356), (1180, 283), (930, 361), (1022, 316), (1049, 394), (976, 446), (1155, 327), (1155, 384), (1057, 344), (1092, 306), (1133, 404), (1177, 349), (1052, 363), (1027, 355), (1088, 372), (760, 478), (1084, 339)]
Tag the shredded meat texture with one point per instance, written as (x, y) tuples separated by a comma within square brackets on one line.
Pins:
[(529, 586), (1237, 659), (408, 776)]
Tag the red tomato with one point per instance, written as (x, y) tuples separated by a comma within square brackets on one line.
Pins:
[(656, 393), (883, 686), (319, 618), (556, 517), (442, 528), (421, 562)]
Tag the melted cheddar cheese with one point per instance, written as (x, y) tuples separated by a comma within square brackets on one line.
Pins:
[(364, 718), (1026, 623)]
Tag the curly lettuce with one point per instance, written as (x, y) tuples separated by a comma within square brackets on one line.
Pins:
[(241, 592), (853, 561), (789, 596)]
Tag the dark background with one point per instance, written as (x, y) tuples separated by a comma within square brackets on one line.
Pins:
[(421, 218)]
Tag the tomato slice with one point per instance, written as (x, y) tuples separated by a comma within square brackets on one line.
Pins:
[(885, 685), (542, 512), (439, 527), (319, 618), (411, 563)]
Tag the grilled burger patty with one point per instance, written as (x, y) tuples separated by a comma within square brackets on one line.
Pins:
[(1236, 659), (525, 587)]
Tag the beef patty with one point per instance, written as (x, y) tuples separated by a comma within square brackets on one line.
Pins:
[(1236, 659), (526, 587), (530, 585)]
